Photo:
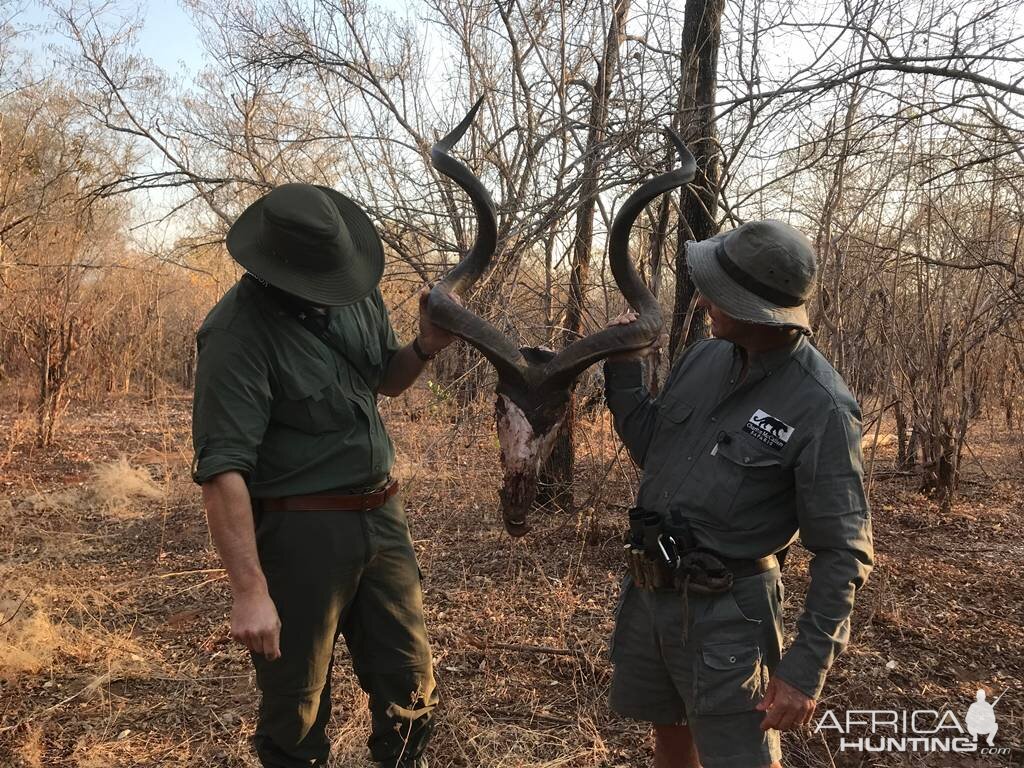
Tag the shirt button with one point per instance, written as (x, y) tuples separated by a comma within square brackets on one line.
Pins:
[(689, 458), (746, 459), (732, 659), (714, 419)]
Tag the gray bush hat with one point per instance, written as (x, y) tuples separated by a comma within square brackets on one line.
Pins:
[(310, 241), (761, 272)]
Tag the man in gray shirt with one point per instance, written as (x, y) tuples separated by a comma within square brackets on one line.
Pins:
[(754, 439)]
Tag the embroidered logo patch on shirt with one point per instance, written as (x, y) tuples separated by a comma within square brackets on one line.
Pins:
[(769, 430)]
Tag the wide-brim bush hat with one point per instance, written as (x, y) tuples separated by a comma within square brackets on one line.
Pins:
[(309, 241), (761, 272)]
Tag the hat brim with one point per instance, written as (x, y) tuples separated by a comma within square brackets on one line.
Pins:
[(731, 297), (355, 279)]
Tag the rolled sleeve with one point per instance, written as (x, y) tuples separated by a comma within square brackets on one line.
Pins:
[(231, 408), (835, 526), (389, 344)]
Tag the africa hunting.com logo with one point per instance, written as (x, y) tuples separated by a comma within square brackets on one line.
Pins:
[(919, 730)]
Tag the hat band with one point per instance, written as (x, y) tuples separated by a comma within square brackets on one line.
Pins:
[(752, 284)]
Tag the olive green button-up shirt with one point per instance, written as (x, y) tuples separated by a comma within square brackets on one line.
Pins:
[(749, 463), (276, 403)]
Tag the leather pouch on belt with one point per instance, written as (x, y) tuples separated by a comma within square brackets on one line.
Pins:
[(703, 573)]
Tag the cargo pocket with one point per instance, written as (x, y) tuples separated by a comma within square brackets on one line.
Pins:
[(730, 678)]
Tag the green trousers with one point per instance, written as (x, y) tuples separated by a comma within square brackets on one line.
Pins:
[(355, 574)]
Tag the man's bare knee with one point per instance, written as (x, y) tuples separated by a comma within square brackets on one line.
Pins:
[(674, 747)]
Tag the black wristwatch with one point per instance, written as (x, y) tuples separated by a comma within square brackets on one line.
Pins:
[(419, 351)]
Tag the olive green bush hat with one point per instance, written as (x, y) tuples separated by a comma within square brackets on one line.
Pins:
[(309, 241), (761, 272)]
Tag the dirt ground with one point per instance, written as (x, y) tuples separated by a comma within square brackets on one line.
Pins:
[(113, 609)]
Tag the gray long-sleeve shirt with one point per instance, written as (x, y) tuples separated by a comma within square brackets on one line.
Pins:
[(747, 464)]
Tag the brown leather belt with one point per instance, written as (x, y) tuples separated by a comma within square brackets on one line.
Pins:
[(331, 502), (743, 568)]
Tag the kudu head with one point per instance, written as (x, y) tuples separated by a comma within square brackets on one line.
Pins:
[(534, 385)]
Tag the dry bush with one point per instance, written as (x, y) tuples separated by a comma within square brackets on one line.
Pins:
[(30, 750), (117, 484), (52, 501), (27, 644), (19, 433), (882, 440), (31, 638), (113, 489), (117, 749)]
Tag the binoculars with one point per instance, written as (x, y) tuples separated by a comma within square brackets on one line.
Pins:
[(652, 553)]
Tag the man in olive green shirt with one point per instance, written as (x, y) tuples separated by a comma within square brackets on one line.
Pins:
[(754, 439), (294, 463)]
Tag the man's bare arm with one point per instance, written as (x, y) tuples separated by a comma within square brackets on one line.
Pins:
[(254, 620), (406, 366), (402, 372)]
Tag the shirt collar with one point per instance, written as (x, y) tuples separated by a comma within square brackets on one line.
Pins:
[(287, 304), (767, 362), (774, 359)]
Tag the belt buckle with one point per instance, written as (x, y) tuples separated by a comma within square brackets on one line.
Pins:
[(378, 496), (373, 496)]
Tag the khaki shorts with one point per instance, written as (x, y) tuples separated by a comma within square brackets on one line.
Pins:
[(710, 676)]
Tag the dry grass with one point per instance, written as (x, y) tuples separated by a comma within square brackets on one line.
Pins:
[(119, 653), (34, 638), (27, 645), (30, 751), (117, 486), (49, 502)]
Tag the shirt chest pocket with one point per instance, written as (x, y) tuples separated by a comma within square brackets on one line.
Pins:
[(744, 477), (356, 341), (672, 415), (310, 399)]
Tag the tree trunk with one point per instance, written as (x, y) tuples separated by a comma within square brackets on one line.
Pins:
[(902, 462), (659, 238), (54, 374), (702, 27), (555, 477)]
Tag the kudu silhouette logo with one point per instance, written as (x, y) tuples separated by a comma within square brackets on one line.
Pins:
[(981, 718)]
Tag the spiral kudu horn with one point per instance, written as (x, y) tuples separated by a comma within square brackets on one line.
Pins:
[(563, 369), (441, 308)]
